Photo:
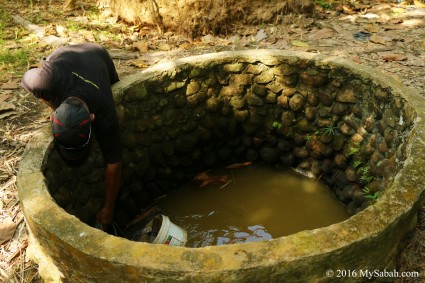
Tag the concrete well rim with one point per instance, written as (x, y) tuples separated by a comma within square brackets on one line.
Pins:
[(292, 248)]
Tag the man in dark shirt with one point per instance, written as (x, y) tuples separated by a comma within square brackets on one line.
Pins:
[(76, 82)]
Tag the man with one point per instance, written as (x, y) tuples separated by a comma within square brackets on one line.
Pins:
[(76, 82)]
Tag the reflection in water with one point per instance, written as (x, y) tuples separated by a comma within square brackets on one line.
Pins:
[(259, 204)]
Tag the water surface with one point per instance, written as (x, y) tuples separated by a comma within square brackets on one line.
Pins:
[(251, 204)]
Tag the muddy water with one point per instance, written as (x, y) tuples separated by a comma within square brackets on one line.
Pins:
[(251, 204)]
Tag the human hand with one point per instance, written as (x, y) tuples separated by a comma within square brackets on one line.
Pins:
[(104, 217)]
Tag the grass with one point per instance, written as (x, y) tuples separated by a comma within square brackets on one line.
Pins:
[(329, 130), (327, 4), (276, 125), (354, 150), (12, 61), (4, 16), (16, 57), (367, 194)]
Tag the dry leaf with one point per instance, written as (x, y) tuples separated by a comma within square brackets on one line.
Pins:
[(13, 84), (87, 35), (356, 59), (261, 34), (7, 110), (238, 165), (141, 46), (138, 63), (348, 10), (185, 45), (164, 46), (322, 34), (299, 43), (6, 106), (7, 229), (8, 114), (144, 31), (392, 56), (413, 61), (204, 179), (208, 39), (280, 44), (379, 39), (215, 180), (3, 97), (201, 177), (371, 28)]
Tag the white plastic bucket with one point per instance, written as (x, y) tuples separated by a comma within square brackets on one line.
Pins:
[(170, 234)]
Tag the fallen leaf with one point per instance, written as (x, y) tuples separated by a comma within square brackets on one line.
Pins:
[(214, 180), (348, 10), (87, 34), (234, 39), (261, 34), (208, 39), (201, 177), (7, 229), (388, 56), (13, 84), (395, 21), (3, 97), (322, 34), (204, 179), (238, 165), (141, 46), (356, 59), (6, 106), (280, 44), (138, 63), (413, 61), (371, 28), (379, 39), (299, 43), (145, 31), (8, 114), (185, 45), (164, 46)]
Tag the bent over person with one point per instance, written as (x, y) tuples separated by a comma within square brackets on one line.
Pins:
[(75, 81)]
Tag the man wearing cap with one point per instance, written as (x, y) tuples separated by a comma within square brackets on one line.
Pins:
[(76, 82)]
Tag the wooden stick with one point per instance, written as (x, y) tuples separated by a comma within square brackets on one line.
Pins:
[(39, 32)]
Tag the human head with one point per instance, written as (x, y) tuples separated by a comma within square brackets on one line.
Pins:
[(71, 127), (39, 81)]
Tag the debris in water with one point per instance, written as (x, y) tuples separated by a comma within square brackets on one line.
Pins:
[(204, 179), (238, 165)]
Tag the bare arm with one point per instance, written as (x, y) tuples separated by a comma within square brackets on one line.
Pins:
[(49, 103), (113, 179)]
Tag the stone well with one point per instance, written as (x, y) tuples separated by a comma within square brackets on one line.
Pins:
[(357, 130)]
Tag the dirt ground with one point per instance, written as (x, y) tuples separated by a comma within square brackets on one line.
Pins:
[(385, 35)]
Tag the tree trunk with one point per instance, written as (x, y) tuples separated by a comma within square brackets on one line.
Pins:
[(198, 17)]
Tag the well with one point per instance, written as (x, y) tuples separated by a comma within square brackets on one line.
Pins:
[(356, 129)]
